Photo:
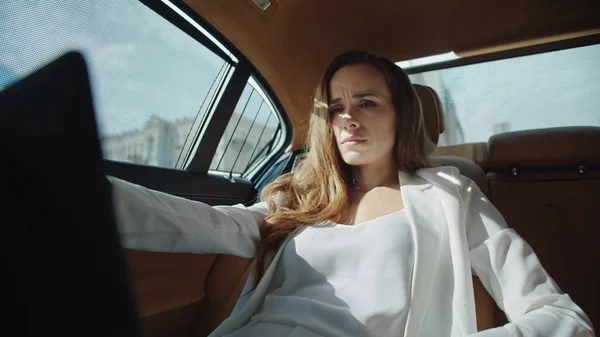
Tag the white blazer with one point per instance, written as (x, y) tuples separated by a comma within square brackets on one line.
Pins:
[(458, 233)]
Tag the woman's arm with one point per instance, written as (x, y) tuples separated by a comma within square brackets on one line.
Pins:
[(512, 273), (156, 221)]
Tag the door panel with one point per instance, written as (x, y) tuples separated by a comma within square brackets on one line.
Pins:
[(170, 290), (204, 187), (182, 294)]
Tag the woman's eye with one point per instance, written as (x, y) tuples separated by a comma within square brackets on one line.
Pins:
[(335, 110), (366, 104)]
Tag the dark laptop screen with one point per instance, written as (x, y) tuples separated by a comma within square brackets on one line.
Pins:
[(60, 246)]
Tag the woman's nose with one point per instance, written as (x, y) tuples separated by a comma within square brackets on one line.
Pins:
[(350, 121)]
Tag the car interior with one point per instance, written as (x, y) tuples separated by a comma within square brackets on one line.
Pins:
[(210, 100)]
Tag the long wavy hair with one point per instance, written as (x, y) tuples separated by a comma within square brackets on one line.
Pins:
[(318, 189)]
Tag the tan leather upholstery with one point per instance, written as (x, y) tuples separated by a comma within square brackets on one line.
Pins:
[(538, 184), (434, 123), (185, 294), (223, 287), (170, 291), (555, 147), (432, 111)]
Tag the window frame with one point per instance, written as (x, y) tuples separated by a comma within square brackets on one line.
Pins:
[(205, 135), (507, 54), (254, 165)]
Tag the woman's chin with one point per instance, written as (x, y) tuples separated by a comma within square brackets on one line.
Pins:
[(354, 159)]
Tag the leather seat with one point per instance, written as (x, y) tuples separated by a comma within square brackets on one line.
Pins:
[(433, 115), (546, 184)]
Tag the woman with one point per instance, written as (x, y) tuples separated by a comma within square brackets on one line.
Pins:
[(365, 238)]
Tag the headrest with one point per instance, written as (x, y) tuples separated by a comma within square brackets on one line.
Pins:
[(553, 147), (433, 114)]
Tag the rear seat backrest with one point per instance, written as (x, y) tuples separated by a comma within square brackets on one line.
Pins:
[(546, 184)]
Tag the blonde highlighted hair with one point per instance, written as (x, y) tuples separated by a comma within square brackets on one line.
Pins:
[(318, 189)]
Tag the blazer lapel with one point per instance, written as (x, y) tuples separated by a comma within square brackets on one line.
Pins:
[(422, 205), (446, 219), (463, 303)]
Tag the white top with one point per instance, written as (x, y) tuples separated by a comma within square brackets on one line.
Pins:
[(340, 280)]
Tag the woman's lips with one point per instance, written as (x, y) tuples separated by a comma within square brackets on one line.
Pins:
[(353, 140)]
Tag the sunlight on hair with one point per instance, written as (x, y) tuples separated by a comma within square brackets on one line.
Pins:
[(320, 104), (449, 178)]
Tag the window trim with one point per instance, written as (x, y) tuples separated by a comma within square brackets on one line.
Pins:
[(216, 121), (169, 14), (508, 54), (276, 141), (253, 171), (203, 116)]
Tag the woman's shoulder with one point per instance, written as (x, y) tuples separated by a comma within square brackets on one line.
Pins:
[(444, 176), (436, 172), (440, 168)]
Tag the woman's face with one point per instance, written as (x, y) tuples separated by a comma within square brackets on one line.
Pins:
[(362, 115)]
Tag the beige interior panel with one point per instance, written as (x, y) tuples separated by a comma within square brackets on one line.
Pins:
[(503, 24)]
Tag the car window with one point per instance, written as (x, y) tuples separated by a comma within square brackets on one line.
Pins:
[(252, 132), (150, 80), (552, 89)]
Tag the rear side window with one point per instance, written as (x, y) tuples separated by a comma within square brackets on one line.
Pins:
[(151, 82), (553, 89), (251, 134)]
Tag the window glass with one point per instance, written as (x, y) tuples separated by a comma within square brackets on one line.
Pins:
[(552, 89), (251, 133), (149, 79)]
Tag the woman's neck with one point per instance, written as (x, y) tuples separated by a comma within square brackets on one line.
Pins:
[(367, 177)]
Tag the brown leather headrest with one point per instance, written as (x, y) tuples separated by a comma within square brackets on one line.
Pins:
[(554, 147), (433, 113)]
